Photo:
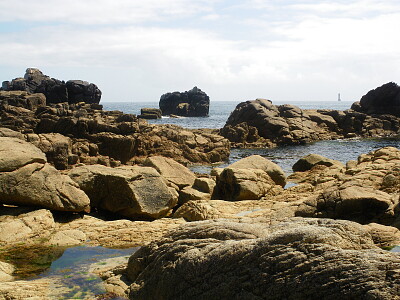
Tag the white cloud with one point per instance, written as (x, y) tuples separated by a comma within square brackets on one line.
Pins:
[(99, 11), (311, 48)]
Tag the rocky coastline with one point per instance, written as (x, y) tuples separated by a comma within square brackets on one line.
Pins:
[(73, 174), (260, 123)]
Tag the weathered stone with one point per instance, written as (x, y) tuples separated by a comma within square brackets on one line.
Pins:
[(189, 193), (22, 99), (205, 185), (243, 184), (258, 162), (27, 179), (15, 227), (16, 153), (133, 192), (6, 271), (248, 259), (172, 171)]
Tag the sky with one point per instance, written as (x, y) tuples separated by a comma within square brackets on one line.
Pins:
[(137, 50)]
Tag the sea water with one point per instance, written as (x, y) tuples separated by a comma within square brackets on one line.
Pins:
[(284, 156)]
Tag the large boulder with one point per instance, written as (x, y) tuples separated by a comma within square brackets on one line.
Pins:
[(193, 103), (175, 173), (27, 179), (56, 91), (382, 100), (258, 162), (361, 204), (296, 259), (133, 192), (243, 184), (309, 161)]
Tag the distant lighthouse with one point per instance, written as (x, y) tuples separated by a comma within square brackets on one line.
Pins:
[(338, 97)]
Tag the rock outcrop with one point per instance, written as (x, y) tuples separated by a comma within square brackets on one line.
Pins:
[(27, 179), (55, 91), (260, 123), (133, 192), (110, 138), (382, 100), (193, 103), (251, 260), (150, 113), (364, 191)]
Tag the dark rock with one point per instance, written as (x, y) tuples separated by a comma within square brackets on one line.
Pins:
[(260, 123), (382, 100), (56, 91), (150, 113), (307, 162), (193, 103), (82, 91)]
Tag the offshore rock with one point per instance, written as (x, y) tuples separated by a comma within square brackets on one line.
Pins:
[(193, 103), (382, 100), (55, 91), (150, 113), (248, 259), (133, 192)]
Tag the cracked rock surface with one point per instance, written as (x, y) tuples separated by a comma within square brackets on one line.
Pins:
[(250, 259)]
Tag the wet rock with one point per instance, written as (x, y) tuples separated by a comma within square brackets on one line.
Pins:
[(248, 259), (18, 227), (150, 113), (133, 192), (22, 289), (309, 161), (27, 179), (193, 103)]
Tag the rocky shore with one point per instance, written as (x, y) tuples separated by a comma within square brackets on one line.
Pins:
[(260, 123), (73, 174)]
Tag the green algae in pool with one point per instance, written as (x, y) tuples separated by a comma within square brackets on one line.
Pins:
[(395, 249), (69, 268), (73, 270)]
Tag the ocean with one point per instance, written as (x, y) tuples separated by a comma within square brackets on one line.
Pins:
[(284, 156)]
